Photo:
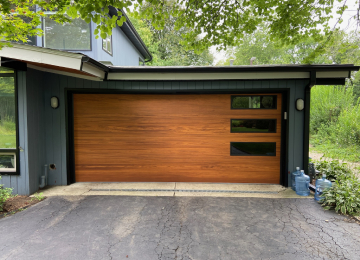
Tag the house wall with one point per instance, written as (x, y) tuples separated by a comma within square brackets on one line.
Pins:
[(124, 52), (44, 142), (31, 133)]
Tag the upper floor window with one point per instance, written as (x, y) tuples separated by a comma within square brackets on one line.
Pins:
[(67, 36), (107, 44)]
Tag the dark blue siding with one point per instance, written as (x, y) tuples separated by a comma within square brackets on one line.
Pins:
[(43, 129)]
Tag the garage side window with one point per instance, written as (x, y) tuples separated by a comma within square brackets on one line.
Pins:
[(253, 102), (8, 122)]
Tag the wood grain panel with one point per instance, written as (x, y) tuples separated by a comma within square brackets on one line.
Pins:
[(169, 138)]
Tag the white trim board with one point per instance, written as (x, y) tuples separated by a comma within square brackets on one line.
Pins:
[(93, 70), (223, 75), (43, 55), (207, 76)]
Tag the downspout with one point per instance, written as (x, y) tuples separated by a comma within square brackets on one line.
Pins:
[(307, 120)]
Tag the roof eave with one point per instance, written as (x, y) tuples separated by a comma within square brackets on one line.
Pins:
[(130, 31)]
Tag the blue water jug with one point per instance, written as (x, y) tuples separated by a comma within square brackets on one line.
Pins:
[(321, 185), (302, 184), (293, 175)]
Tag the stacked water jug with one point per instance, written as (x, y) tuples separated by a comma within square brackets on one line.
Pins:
[(320, 186), (300, 183)]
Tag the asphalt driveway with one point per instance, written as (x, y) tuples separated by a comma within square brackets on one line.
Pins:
[(124, 227)]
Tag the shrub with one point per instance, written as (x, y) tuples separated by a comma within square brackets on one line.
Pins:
[(343, 196), (5, 193), (346, 131), (39, 196), (334, 170), (327, 104)]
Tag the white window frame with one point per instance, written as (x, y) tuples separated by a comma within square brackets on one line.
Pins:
[(106, 50)]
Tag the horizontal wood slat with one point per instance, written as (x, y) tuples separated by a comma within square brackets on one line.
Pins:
[(169, 138)]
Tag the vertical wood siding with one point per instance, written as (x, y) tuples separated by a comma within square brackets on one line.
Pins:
[(43, 129), (31, 133)]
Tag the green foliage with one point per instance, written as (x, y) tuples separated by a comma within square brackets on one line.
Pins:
[(5, 193), (340, 48), (326, 104), (333, 169), (340, 138), (212, 22), (39, 196), (343, 196), (164, 44)]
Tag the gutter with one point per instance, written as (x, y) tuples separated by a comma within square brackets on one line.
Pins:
[(306, 139), (133, 30), (101, 69), (94, 63), (246, 68), (130, 31)]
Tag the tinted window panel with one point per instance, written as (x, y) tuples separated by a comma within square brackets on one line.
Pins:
[(252, 149), (251, 102), (67, 36), (7, 113), (253, 125)]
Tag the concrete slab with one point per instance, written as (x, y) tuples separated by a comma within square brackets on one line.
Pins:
[(229, 186), (172, 189), (130, 193)]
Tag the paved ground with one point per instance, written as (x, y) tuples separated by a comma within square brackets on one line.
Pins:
[(134, 227)]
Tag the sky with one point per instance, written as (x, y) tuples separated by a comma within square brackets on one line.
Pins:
[(347, 24)]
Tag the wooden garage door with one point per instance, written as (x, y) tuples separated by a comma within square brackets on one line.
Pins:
[(175, 138)]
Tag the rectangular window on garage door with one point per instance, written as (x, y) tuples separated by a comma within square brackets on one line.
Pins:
[(253, 148), (253, 125), (253, 102)]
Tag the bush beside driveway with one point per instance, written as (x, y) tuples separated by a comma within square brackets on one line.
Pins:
[(125, 227)]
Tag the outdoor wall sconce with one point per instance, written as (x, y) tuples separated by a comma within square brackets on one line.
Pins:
[(299, 104), (54, 102)]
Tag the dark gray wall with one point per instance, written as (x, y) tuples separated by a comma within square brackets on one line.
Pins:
[(55, 119), (31, 133), (44, 142)]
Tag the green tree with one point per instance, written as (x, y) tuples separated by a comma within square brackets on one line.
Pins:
[(213, 22), (165, 44), (342, 48)]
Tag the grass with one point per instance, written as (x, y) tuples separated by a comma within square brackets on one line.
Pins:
[(336, 151)]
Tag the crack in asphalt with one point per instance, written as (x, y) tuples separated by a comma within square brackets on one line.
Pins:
[(181, 228)]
